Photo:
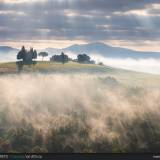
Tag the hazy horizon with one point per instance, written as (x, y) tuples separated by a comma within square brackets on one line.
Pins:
[(69, 45)]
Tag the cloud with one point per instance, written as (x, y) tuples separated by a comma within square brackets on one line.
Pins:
[(87, 20)]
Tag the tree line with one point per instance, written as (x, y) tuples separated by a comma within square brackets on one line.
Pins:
[(25, 57)]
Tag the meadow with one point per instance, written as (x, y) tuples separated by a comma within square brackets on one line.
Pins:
[(51, 107)]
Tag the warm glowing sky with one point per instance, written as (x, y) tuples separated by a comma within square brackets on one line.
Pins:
[(59, 23)]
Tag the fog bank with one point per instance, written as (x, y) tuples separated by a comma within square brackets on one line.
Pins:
[(101, 102)]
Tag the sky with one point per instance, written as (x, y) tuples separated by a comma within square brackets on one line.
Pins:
[(131, 24)]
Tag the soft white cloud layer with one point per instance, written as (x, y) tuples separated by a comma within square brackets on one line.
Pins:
[(140, 65)]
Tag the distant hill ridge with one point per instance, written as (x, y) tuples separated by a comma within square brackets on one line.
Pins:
[(95, 48), (106, 51), (8, 49)]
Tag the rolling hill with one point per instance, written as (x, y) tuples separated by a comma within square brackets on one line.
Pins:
[(125, 77), (7, 49)]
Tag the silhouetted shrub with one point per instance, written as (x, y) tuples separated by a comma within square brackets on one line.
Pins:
[(63, 58)]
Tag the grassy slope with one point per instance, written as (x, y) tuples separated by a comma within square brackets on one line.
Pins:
[(124, 76), (54, 67)]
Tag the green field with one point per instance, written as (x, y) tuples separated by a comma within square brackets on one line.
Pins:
[(50, 66), (126, 77)]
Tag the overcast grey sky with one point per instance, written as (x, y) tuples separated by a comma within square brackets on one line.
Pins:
[(58, 23)]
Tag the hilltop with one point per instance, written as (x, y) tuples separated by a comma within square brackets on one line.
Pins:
[(126, 77), (46, 67)]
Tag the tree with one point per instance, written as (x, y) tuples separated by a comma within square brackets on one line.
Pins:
[(83, 58), (26, 57), (34, 55), (43, 54), (64, 58), (60, 58), (22, 54), (29, 57)]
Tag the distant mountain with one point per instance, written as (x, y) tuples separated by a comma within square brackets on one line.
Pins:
[(51, 50), (8, 54), (106, 51), (90, 49), (7, 49)]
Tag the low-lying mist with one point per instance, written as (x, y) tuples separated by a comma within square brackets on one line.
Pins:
[(82, 113), (8, 56), (149, 65)]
